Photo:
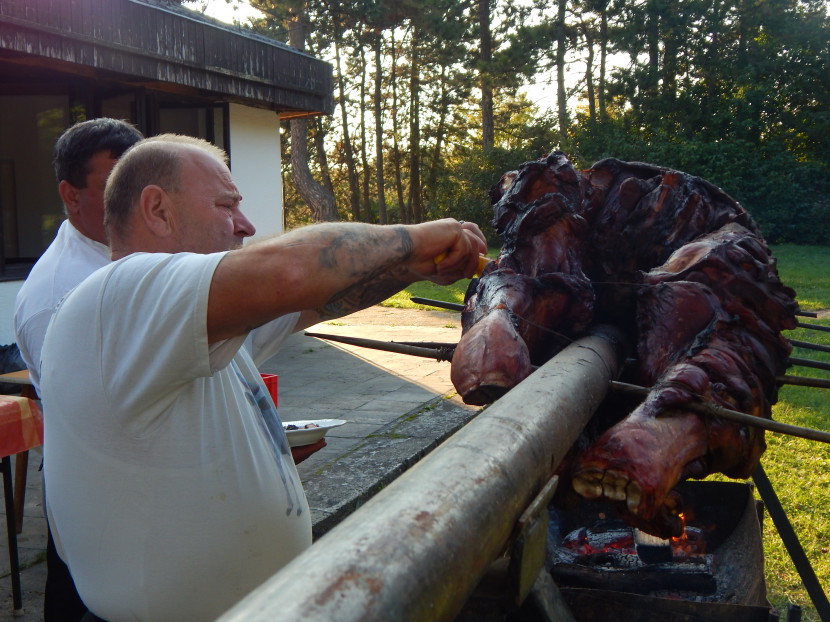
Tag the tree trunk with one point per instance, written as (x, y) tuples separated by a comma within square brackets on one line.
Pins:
[(382, 216), (670, 34), (415, 135), (603, 59), (364, 147), (320, 201), (589, 74), (487, 125), (561, 49), (396, 149), (348, 151), (320, 153), (440, 130), (653, 46)]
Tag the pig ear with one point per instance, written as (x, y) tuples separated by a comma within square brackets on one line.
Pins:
[(155, 210)]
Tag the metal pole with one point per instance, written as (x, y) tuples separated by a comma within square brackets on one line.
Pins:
[(11, 529), (809, 346), (417, 550), (713, 410), (791, 543)]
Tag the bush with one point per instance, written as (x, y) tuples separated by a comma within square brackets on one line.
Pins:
[(785, 195)]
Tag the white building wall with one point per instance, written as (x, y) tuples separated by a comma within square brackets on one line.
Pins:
[(256, 166)]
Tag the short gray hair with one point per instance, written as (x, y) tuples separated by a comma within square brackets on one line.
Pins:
[(154, 161)]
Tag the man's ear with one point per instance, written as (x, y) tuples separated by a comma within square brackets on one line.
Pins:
[(69, 196), (156, 211)]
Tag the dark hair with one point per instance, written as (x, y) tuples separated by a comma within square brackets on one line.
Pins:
[(79, 143)]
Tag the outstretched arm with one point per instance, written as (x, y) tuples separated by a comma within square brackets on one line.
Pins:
[(330, 270)]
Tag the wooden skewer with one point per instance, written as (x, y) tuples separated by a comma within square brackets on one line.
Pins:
[(706, 408), (806, 313)]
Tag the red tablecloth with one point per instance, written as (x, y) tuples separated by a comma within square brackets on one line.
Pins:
[(21, 425)]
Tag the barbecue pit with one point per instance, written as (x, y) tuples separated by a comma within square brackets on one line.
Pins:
[(716, 571)]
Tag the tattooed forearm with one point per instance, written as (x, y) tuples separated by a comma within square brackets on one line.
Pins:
[(373, 286), (351, 247), (362, 295)]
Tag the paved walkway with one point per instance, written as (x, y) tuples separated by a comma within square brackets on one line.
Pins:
[(398, 407)]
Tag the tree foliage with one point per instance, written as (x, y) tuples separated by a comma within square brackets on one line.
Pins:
[(430, 111)]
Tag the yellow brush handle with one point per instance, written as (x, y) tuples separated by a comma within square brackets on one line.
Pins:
[(483, 260)]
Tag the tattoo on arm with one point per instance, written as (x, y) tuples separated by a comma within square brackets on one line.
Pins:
[(374, 284)]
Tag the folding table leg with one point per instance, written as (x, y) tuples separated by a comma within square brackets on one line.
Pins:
[(21, 469), (8, 493)]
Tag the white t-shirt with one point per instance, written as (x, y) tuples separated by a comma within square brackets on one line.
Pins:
[(70, 258), (168, 497)]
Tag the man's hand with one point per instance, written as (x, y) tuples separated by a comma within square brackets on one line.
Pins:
[(301, 453), (460, 244)]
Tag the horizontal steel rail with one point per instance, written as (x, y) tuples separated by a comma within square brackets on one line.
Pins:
[(417, 550)]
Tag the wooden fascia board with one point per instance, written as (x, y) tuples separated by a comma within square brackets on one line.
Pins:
[(51, 43)]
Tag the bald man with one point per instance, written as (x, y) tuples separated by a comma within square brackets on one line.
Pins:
[(175, 493)]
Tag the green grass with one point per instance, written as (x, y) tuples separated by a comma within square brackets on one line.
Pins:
[(799, 469), (426, 289), (805, 269)]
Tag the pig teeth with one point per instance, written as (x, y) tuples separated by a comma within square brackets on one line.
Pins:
[(593, 483), (588, 484), (634, 495), (613, 485)]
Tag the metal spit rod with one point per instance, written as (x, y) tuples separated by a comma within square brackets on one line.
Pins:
[(417, 550)]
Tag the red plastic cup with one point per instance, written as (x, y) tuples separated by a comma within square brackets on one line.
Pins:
[(271, 384)]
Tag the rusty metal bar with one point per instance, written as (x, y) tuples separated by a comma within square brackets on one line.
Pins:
[(707, 408), (802, 381), (791, 543), (439, 304), (417, 550), (809, 363), (439, 352), (809, 346), (819, 327)]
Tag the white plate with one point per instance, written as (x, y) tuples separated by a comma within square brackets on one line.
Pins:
[(307, 436)]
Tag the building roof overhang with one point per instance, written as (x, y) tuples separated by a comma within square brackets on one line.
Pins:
[(161, 46)]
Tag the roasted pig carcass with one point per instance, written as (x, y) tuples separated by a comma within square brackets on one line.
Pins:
[(528, 303), (677, 265)]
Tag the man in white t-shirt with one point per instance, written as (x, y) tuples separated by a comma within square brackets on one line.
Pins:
[(83, 158), (174, 490)]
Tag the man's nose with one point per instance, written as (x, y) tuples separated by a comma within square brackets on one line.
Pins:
[(243, 227)]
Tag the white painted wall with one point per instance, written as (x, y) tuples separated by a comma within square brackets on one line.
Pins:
[(256, 166)]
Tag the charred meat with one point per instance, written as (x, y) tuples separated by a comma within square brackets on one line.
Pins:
[(679, 266)]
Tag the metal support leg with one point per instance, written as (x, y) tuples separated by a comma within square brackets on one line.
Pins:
[(21, 469), (8, 493), (793, 546)]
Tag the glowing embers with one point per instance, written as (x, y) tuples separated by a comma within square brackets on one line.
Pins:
[(592, 545), (606, 555), (714, 571)]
